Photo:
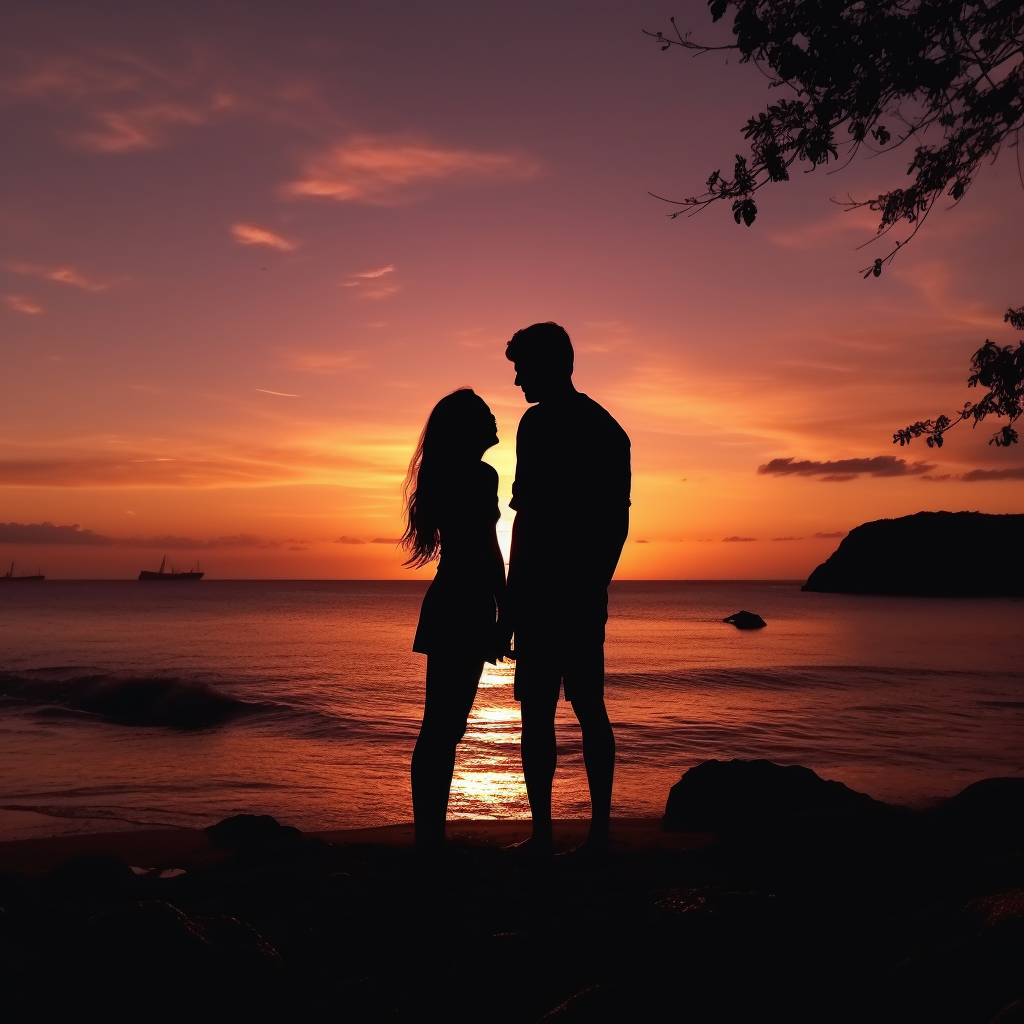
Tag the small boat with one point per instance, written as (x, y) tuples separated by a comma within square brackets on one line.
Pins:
[(174, 574), (9, 575)]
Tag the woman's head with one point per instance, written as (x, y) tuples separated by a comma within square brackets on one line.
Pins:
[(459, 430)]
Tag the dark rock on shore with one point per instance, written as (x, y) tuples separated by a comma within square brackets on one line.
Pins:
[(745, 620), (929, 554), (731, 796), (990, 812), (250, 830)]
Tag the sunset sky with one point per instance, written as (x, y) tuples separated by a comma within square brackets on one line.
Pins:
[(245, 247)]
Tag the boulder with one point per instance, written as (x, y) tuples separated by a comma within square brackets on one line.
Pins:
[(92, 878), (745, 620), (985, 813), (250, 830), (730, 796)]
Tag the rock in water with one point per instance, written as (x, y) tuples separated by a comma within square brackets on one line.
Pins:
[(746, 620), (929, 554), (735, 795)]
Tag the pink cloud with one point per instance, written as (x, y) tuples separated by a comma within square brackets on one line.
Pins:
[(380, 170), (70, 79), (22, 304), (374, 284), (249, 234), (61, 275), (148, 127), (126, 103)]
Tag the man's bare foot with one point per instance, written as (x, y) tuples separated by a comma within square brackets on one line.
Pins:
[(595, 847), (534, 848)]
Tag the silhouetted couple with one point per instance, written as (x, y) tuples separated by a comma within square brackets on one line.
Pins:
[(571, 497)]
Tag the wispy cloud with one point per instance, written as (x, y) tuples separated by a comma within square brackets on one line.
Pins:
[(67, 79), (249, 234), (830, 536), (374, 284), (123, 102), (23, 304), (733, 540), (48, 533), (65, 274), (281, 394), (379, 272), (322, 363), (388, 170), (1010, 473), (840, 470), (147, 127), (232, 467)]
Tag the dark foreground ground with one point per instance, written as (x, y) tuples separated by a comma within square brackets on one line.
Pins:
[(814, 910)]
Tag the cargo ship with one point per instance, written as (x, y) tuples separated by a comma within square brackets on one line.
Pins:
[(174, 574), (9, 575)]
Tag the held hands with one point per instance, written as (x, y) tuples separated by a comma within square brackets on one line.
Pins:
[(504, 632)]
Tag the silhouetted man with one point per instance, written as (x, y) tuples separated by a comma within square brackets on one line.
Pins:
[(571, 496)]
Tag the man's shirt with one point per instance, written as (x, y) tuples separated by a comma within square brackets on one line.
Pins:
[(571, 494)]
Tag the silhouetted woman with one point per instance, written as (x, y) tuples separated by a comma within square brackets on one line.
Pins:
[(451, 512)]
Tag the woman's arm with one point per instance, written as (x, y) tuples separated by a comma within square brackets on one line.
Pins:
[(496, 564)]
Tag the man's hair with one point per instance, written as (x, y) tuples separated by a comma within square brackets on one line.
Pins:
[(546, 344)]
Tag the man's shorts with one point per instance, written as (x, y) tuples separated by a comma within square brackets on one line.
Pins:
[(561, 642)]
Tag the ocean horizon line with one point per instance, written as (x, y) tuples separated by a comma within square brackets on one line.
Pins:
[(417, 579)]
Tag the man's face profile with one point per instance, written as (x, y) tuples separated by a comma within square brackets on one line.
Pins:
[(527, 379), (538, 380)]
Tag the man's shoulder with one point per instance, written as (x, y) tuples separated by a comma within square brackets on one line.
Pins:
[(600, 416)]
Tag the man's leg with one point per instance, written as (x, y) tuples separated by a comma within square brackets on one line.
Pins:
[(451, 689), (599, 758), (539, 756)]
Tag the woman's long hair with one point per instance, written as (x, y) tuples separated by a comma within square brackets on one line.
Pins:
[(441, 452)]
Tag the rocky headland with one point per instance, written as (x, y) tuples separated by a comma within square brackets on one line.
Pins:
[(765, 894), (928, 554)]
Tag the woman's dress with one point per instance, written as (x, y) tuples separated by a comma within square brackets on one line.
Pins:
[(457, 618)]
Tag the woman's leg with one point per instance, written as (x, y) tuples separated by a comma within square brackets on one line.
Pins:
[(451, 689)]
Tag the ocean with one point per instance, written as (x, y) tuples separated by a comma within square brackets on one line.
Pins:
[(126, 704)]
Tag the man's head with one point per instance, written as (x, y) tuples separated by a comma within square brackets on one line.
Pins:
[(543, 358)]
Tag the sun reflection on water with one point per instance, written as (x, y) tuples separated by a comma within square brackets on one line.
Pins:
[(488, 781)]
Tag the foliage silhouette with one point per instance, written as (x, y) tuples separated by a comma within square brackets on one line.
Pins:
[(944, 75), (1001, 370), (925, 67)]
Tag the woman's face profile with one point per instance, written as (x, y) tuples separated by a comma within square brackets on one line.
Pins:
[(488, 428)]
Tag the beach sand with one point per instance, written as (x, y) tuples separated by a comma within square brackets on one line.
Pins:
[(826, 916), (182, 847)]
